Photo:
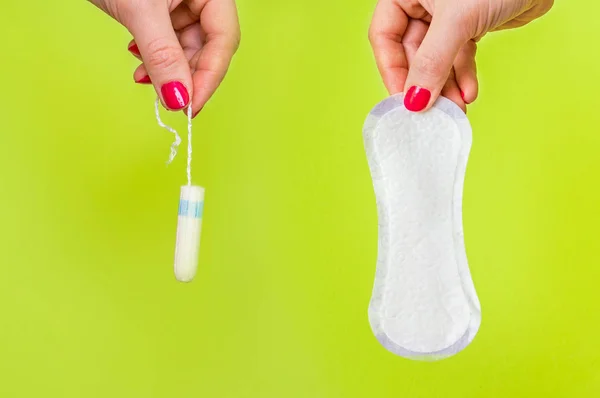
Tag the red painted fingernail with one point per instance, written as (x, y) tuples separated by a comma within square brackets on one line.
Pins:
[(462, 95), (175, 95), (144, 80), (417, 98), (133, 48), (193, 114)]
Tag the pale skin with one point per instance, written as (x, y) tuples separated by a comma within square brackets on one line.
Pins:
[(190, 42), (424, 48), (431, 44)]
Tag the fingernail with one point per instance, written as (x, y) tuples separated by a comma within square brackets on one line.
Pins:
[(144, 80), (462, 95), (175, 95), (193, 114), (133, 48), (417, 98)]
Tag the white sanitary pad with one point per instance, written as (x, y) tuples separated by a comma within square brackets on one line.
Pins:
[(424, 304)]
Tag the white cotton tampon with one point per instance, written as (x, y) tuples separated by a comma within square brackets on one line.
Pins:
[(189, 225)]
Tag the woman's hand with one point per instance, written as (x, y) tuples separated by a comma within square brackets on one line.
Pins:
[(185, 45), (427, 47)]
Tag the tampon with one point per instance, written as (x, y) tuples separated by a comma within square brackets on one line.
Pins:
[(189, 225)]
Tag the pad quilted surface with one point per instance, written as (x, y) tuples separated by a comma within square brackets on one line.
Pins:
[(424, 304)]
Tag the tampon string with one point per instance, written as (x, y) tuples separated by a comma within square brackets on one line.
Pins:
[(177, 142)]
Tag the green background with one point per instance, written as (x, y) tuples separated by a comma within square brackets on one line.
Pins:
[(88, 303)]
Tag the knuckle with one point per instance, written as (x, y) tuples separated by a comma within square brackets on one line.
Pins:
[(548, 4), (162, 54), (471, 48), (429, 65), (372, 32), (124, 11), (464, 18), (377, 38), (413, 8), (236, 40), (372, 36)]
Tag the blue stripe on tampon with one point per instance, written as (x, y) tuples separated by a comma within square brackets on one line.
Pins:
[(191, 209), (183, 206), (198, 209)]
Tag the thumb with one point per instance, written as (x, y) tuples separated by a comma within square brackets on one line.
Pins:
[(431, 66), (162, 54)]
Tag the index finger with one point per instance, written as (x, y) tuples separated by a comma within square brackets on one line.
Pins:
[(385, 34), (219, 22)]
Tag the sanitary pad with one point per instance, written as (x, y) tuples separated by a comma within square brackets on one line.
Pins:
[(424, 305)]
